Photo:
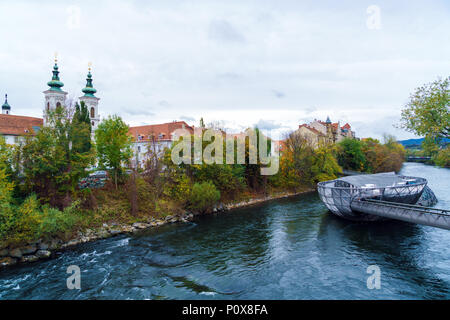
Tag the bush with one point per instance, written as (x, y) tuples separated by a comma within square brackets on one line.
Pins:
[(442, 159), (20, 224), (203, 197), (56, 222), (178, 188), (229, 179)]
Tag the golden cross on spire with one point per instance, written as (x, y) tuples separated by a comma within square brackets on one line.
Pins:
[(56, 57), (89, 65)]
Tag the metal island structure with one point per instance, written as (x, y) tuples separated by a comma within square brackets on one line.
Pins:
[(381, 196)]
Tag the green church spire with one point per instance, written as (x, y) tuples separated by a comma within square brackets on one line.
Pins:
[(55, 84), (6, 106), (89, 90)]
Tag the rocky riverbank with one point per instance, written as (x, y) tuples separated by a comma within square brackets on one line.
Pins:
[(45, 249)]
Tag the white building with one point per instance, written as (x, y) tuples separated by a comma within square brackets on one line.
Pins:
[(155, 136), (13, 128)]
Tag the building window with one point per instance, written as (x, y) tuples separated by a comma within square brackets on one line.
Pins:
[(58, 104), (93, 123), (48, 106), (92, 112), (139, 148)]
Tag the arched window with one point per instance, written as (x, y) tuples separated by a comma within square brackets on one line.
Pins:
[(92, 112), (93, 123), (58, 104), (48, 106)]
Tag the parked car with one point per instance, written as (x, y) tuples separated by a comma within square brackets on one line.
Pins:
[(99, 174)]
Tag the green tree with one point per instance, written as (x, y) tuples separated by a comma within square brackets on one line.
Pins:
[(324, 164), (442, 158), (351, 155), (253, 171), (82, 113), (427, 112), (55, 159), (430, 146), (81, 128), (113, 146), (6, 186)]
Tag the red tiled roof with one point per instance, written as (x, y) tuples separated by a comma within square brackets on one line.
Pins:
[(18, 125), (334, 125), (311, 129), (346, 126), (162, 132)]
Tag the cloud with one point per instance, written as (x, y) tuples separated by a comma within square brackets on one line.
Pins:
[(136, 112), (278, 94), (187, 119), (163, 103), (222, 30), (234, 61), (310, 109), (268, 125)]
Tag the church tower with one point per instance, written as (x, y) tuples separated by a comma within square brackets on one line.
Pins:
[(54, 97), (91, 101), (6, 108)]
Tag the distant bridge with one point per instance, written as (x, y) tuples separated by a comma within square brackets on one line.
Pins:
[(417, 159)]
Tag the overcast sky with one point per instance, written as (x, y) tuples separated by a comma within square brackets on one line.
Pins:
[(272, 63)]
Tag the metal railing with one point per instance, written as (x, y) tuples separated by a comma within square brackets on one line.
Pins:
[(338, 199), (433, 217)]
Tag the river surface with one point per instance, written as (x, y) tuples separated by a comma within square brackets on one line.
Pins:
[(284, 249)]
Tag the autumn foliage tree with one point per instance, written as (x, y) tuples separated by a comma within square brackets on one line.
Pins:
[(369, 155)]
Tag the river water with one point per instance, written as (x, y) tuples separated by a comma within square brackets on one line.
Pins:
[(284, 249)]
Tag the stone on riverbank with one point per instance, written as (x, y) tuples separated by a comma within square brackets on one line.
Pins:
[(4, 252), (15, 253), (43, 246), (28, 249), (30, 258), (43, 254), (140, 225), (54, 244), (127, 229), (8, 261), (115, 232), (102, 234)]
